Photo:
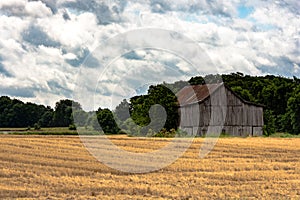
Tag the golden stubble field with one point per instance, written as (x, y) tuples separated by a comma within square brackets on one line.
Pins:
[(51, 167)]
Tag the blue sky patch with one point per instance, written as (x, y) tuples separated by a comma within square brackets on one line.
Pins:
[(285, 68), (244, 11), (264, 27), (26, 92), (132, 56)]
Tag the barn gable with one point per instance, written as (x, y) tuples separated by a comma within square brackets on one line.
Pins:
[(217, 105)]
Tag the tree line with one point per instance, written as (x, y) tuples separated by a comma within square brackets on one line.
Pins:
[(158, 108), (17, 114), (279, 95)]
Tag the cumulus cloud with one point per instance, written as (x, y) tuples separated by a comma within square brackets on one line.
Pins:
[(36, 36), (3, 71), (106, 11), (23, 8), (44, 42), (129, 75)]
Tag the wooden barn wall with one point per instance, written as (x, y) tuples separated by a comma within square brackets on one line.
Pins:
[(241, 119)]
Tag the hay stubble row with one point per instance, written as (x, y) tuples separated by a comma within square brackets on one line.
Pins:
[(60, 167)]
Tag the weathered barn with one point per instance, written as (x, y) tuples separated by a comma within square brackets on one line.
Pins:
[(203, 107)]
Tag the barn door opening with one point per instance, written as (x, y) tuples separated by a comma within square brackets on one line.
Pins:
[(240, 131), (257, 130)]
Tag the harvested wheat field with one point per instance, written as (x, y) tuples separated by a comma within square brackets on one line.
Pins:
[(51, 167)]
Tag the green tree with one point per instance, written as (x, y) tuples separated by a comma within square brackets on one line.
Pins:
[(122, 111), (63, 114), (46, 119), (293, 112), (198, 80), (167, 99), (80, 117), (107, 122), (177, 86), (5, 105), (269, 121), (157, 95), (18, 115), (244, 93)]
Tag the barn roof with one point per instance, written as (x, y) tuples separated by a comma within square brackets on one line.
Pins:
[(199, 93), (196, 93)]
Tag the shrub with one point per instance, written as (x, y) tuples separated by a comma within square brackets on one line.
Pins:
[(37, 126), (122, 131), (72, 127), (130, 128), (165, 133), (182, 133)]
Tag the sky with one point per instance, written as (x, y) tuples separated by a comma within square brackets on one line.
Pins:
[(91, 50)]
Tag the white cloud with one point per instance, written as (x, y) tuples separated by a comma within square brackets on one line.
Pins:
[(71, 33), (70, 56), (296, 68), (11, 27), (25, 8), (42, 43), (37, 9)]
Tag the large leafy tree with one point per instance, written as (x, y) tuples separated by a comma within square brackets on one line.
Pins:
[(157, 95), (122, 111), (293, 111), (244, 93), (167, 99), (106, 121), (46, 119), (63, 114), (269, 121), (5, 111)]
